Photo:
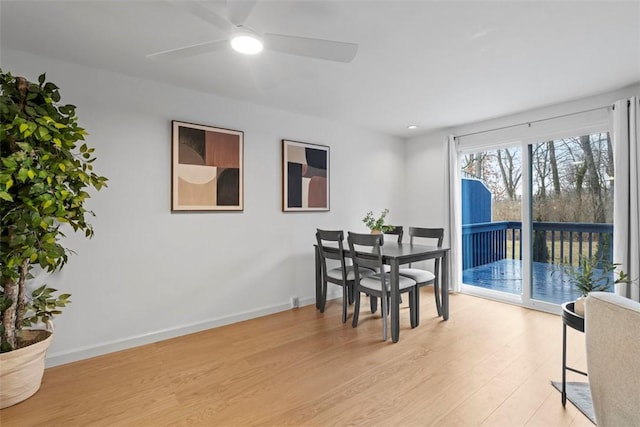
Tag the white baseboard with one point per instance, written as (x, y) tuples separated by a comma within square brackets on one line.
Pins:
[(61, 358)]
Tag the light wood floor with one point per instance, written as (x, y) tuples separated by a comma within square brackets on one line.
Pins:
[(490, 365)]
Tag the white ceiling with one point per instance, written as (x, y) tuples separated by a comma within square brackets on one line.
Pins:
[(431, 63)]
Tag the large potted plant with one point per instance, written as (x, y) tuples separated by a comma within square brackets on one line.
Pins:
[(44, 173)]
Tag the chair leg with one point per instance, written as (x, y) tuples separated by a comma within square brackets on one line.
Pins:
[(436, 291), (323, 296), (356, 308), (345, 303), (416, 304), (413, 295), (385, 308), (373, 302), (350, 293)]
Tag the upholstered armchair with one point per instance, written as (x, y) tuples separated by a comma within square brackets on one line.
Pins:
[(612, 334)]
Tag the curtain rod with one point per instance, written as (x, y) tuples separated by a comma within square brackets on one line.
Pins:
[(534, 121)]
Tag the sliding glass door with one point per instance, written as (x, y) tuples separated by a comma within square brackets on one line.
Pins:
[(531, 211)]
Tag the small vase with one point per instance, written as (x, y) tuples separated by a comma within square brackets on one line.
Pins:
[(578, 306), (376, 232)]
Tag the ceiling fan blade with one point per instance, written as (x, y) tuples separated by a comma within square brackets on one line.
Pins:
[(238, 11), (312, 48), (201, 11), (193, 50)]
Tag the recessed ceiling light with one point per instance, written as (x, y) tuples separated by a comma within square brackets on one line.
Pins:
[(412, 127), (247, 42)]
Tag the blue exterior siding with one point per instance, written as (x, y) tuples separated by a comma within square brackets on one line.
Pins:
[(476, 202)]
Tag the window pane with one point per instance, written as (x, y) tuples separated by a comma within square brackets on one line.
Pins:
[(572, 190), (491, 219)]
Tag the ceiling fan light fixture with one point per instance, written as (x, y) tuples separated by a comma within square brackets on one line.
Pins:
[(247, 42)]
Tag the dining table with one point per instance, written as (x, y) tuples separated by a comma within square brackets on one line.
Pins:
[(394, 255)]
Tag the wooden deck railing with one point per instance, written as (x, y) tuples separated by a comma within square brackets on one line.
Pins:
[(553, 242)]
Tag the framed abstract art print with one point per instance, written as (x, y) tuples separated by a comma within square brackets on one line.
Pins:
[(305, 177), (207, 168)]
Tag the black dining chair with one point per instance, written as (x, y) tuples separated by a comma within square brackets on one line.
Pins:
[(421, 276), (366, 253), (330, 247), (397, 231)]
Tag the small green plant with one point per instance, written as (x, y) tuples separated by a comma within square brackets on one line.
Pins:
[(45, 171), (593, 274), (378, 224)]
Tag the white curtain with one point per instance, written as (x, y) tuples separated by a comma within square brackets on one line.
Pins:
[(453, 214), (626, 203)]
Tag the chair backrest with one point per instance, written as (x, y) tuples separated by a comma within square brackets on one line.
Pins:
[(427, 233), (397, 230), (431, 234), (330, 246), (365, 251)]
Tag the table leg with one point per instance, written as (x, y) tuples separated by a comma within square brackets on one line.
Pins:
[(444, 286), (564, 364), (318, 278), (395, 299)]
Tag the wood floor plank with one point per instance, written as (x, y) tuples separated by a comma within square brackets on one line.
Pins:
[(490, 364)]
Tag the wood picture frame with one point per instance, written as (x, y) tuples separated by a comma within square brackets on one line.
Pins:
[(305, 177), (207, 170)]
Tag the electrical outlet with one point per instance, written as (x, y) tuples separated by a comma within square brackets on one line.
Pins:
[(294, 302)]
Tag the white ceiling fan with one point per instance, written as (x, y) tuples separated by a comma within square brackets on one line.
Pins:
[(233, 25)]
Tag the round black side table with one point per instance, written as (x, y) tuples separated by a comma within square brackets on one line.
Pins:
[(575, 321)]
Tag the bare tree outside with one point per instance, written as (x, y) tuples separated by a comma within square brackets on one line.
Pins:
[(511, 171), (572, 180)]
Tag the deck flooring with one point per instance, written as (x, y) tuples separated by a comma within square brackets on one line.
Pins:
[(550, 284)]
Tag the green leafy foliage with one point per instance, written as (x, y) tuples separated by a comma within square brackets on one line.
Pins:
[(43, 305), (374, 223), (593, 274), (44, 174)]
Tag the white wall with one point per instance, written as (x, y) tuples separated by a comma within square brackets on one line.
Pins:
[(149, 274), (426, 179)]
